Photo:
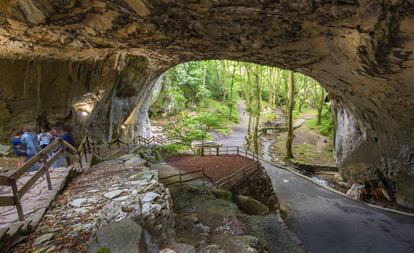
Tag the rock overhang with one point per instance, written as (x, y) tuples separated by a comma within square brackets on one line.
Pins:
[(360, 51)]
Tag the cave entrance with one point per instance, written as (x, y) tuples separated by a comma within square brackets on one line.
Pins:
[(241, 104)]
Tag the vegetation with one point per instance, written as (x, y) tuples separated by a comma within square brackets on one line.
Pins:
[(200, 97)]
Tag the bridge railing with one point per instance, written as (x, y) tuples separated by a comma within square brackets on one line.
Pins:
[(42, 161), (227, 150), (200, 174)]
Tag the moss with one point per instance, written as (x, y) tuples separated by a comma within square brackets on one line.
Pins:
[(103, 250)]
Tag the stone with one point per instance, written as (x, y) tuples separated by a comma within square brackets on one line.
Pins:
[(145, 175), (355, 191), (222, 194), (43, 238), (136, 161), (149, 197), (251, 206), (125, 236), (113, 194), (78, 202), (151, 208), (45, 249), (180, 248)]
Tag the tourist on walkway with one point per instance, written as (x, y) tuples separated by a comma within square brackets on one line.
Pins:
[(66, 136), (29, 139), (19, 148), (44, 138), (60, 162)]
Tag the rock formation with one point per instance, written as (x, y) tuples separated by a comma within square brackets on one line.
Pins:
[(53, 52)]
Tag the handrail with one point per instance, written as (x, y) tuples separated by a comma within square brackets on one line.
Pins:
[(180, 175), (54, 150)]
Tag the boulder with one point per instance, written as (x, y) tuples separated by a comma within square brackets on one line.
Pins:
[(179, 248), (251, 206), (222, 194), (121, 237)]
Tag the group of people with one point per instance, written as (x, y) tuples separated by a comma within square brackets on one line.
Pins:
[(29, 142)]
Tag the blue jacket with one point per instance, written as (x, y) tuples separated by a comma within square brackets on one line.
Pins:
[(31, 143)]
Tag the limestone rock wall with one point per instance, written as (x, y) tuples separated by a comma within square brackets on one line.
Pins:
[(43, 92), (361, 52)]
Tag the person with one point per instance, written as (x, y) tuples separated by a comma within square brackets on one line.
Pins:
[(19, 148), (29, 139), (66, 136), (44, 138), (60, 160)]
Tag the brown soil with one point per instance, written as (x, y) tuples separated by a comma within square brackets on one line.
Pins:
[(215, 167)]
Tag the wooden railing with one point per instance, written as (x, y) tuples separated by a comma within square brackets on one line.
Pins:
[(227, 150), (108, 149), (201, 175), (45, 158), (239, 176)]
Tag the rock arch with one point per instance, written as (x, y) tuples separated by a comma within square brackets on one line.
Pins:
[(54, 51)]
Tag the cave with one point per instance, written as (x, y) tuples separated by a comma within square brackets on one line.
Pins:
[(54, 52)]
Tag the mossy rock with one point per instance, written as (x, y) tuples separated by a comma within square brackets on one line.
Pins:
[(222, 194), (212, 211), (251, 206)]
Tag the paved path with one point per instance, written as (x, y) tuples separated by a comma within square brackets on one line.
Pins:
[(239, 131), (328, 222)]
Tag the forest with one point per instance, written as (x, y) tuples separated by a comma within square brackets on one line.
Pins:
[(197, 98)]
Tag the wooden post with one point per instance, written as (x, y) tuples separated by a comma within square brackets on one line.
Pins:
[(84, 151), (62, 146), (98, 150), (16, 198), (133, 143), (47, 173), (119, 143), (237, 150), (246, 152), (203, 176), (80, 160), (127, 146), (180, 179), (217, 151), (88, 144)]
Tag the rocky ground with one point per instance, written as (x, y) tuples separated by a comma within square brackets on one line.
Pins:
[(109, 192), (212, 220)]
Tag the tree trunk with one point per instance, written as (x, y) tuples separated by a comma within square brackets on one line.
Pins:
[(320, 106), (231, 91), (204, 85), (291, 92), (258, 109)]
